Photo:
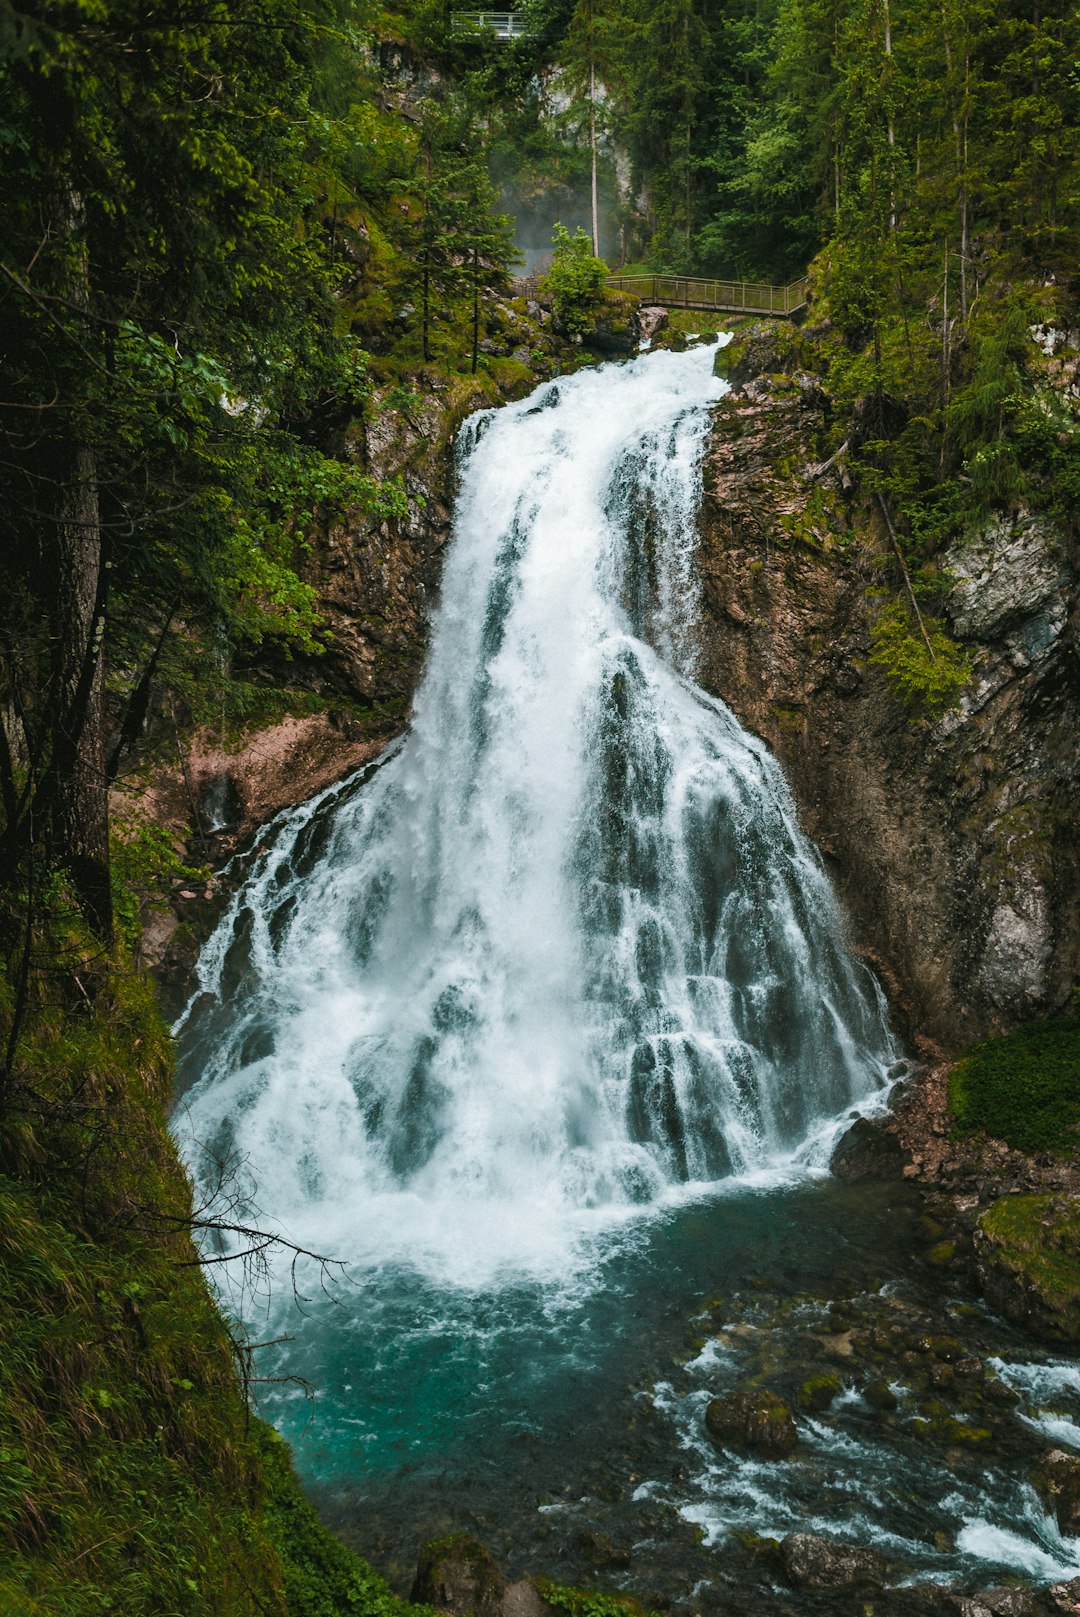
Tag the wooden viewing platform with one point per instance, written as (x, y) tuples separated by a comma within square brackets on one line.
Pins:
[(503, 24), (722, 297)]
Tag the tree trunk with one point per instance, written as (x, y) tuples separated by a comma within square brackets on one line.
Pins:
[(74, 794), (475, 309), (592, 146), (78, 796)]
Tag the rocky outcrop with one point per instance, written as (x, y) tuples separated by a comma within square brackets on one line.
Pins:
[(1028, 1255), (757, 1420), (459, 1574), (955, 842), (1057, 1482)]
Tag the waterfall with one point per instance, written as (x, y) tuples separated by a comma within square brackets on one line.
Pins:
[(564, 953)]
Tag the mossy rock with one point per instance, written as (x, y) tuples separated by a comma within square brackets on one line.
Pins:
[(1028, 1253), (459, 1574), (817, 1392), (1024, 1088), (767, 348), (756, 1419), (880, 1396)]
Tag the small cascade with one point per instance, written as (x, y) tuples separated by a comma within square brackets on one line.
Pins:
[(564, 953)]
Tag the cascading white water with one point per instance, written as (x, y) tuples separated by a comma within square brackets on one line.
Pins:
[(566, 950)]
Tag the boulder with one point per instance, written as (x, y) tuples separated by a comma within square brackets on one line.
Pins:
[(601, 1553), (768, 348), (1056, 1479), (651, 320), (459, 1574), (1028, 1253), (615, 330), (880, 1396), (1011, 1602), (813, 1562), (817, 1392), (756, 1419), (866, 1151)]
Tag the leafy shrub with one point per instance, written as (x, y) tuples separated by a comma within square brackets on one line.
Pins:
[(323, 1577), (144, 865), (927, 683), (1024, 1088), (576, 280), (588, 1602)]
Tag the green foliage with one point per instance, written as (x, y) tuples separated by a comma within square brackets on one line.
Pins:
[(1024, 1088), (144, 866), (928, 678), (588, 1602), (133, 1479), (322, 1577), (576, 280)]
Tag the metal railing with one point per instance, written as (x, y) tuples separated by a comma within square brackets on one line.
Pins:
[(725, 297), (503, 24)]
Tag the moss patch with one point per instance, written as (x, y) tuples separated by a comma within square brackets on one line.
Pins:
[(1038, 1237), (1024, 1088)]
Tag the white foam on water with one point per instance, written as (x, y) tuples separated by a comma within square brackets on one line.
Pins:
[(1054, 1380), (566, 960), (1002, 1547)]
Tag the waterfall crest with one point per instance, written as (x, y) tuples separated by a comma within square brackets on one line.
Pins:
[(565, 949)]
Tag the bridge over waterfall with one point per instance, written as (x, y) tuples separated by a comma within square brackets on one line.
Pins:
[(711, 296)]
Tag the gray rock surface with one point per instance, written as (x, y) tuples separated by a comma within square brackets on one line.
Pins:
[(813, 1562)]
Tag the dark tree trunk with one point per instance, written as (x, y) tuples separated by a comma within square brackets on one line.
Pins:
[(77, 795), (475, 310), (75, 792)]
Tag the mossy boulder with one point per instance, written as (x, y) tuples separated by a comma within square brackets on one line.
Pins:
[(880, 1396), (817, 1392), (616, 330), (1028, 1254), (767, 348), (756, 1419), (459, 1574)]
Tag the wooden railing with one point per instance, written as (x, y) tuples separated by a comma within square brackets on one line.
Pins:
[(503, 24), (725, 297)]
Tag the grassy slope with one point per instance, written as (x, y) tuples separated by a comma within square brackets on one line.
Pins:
[(132, 1479)]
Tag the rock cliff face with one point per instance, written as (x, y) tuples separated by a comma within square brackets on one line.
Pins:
[(953, 842)]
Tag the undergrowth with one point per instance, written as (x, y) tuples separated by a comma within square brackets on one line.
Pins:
[(588, 1602), (1023, 1088), (133, 1479), (922, 664)]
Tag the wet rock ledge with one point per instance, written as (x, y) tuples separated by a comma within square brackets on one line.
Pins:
[(954, 842)]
